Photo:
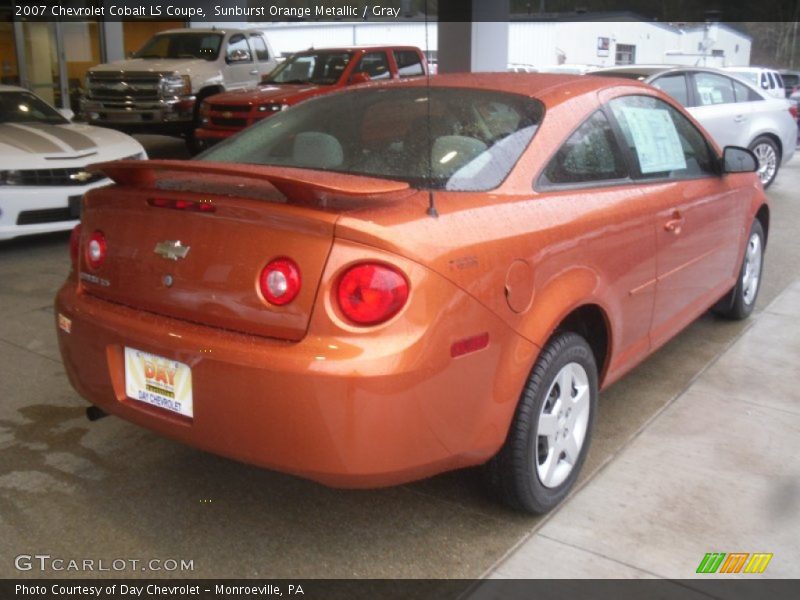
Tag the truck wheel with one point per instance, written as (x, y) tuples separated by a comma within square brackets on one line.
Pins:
[(552, 428)]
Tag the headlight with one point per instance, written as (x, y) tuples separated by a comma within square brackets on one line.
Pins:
[(10, 177), (176, 85), (272, 107)]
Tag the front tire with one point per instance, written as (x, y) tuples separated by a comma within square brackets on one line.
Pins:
[(552, 428), (769, 159), (740, 301)]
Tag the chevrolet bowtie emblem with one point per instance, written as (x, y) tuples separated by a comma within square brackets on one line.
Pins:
[(81, 176), (171, 249)]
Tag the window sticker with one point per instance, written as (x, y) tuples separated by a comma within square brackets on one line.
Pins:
[(655, 138), (710, 95)]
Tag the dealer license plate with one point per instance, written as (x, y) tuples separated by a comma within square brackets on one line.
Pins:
[(159, 381)]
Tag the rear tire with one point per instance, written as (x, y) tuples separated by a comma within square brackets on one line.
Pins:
[(551, 431), (740, 301), (769, 159)]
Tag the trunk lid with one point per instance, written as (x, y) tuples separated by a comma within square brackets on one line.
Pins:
[(259, 214)]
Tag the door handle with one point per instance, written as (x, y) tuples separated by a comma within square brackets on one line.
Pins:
[(739, 118), (675, 224), (254, 72)]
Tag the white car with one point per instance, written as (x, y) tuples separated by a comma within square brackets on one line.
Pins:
[(767, 80), (43, 162), (733, 111)]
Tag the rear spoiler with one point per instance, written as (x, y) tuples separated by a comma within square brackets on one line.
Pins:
[(304, 185)]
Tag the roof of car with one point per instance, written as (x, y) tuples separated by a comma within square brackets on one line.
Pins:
[(536, 85), (359, 48), (210, 30), (11, 88), (646, 71), (749, 69)]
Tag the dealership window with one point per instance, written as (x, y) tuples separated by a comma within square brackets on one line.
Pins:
[(136, 33), (8, 55), (590, 154), (663, 143), (408, 63), (374, 64), (625, 54)]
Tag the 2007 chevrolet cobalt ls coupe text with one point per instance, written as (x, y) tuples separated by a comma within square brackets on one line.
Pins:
[(393, 281)]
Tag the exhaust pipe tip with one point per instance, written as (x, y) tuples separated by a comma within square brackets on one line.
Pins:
[(93, 413)]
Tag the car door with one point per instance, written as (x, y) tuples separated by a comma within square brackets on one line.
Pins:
[(590, 173), (717, 109), (374, 64), (240, 69), (698, 217)]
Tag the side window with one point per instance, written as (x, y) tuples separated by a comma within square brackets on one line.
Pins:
[(744, 93), (764, 81), (713, 89), (590, 154), (675, 86), (408, 62), (260, 48), (374, 64), (238, 50), (664, 143)]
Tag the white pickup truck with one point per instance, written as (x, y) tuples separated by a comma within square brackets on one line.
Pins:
[(160, 88)]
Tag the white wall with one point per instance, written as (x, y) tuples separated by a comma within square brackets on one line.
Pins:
[(293, 37), (531, 43)]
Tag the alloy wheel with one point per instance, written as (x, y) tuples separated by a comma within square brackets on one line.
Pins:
[(562, 425)]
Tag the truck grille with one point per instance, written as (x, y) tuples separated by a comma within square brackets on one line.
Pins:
[(234, 116), (117, 87), (48, 177), (223, 122)]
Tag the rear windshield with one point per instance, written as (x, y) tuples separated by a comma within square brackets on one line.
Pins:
[(446, 138)]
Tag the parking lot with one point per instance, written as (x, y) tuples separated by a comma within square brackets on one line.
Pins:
[(81, 490)]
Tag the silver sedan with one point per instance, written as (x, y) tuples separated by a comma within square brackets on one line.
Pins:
[(732, 110)]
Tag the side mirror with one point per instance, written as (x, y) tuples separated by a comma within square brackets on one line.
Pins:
[(66, 113), (738, 160), (238, 55), (360, 77)]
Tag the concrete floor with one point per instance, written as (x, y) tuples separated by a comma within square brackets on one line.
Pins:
[(73, 489)]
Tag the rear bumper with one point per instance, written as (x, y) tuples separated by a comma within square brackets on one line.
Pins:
[(384, 413)]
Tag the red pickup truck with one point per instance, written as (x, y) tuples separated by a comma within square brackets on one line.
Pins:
[(304, 75)]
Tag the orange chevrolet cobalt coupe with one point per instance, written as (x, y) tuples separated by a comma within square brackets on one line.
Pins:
[(390, 282)]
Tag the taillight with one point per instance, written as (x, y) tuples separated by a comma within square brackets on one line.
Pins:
[(280, 281), (96, 249), (371, 293), (204, 206), (793, 111), (75, 244)]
